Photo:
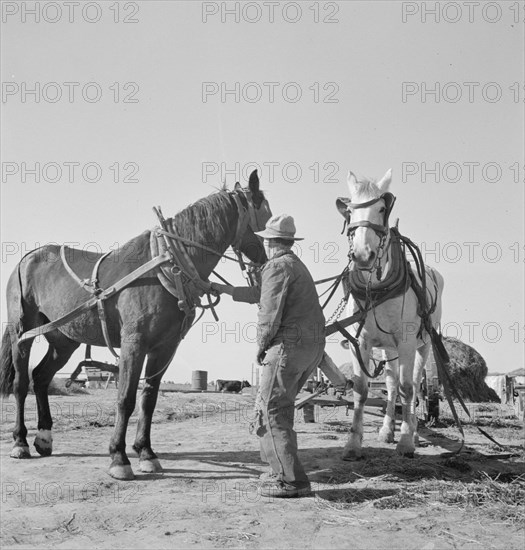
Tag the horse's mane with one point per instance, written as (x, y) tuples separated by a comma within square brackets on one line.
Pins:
[(366, 188), (206, 220)]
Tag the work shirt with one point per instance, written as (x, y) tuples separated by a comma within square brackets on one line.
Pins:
[(289, 306)]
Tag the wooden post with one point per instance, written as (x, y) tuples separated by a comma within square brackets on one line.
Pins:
[(519, 403), (309, 413)]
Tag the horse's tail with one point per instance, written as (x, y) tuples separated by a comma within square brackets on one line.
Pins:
[(15, 325), (7, 367)]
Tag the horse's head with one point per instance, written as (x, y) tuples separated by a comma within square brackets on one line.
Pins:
[(254, 212), (366, 213)]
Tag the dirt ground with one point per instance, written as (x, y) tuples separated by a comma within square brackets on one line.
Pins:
[(206, 497)]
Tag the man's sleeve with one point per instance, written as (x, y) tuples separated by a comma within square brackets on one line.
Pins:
[(248, 294), (275, 281)]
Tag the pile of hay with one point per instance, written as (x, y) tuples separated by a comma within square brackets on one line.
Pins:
[(468, 371)]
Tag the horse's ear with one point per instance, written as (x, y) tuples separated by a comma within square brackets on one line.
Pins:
[(237, 187), (352, 181), (341, 204), (253, 183), (384, 182)]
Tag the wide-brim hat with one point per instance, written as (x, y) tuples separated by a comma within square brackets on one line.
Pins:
[(280, 226)]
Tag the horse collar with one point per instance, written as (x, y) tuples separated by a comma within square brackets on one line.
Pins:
[(394, 283)]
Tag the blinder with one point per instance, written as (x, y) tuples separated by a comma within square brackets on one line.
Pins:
[(344, 205), (258, 216), (249, 216)]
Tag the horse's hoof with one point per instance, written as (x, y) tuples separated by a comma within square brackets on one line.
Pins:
[(151, 466), (44, 442), (351, 458), (352, 454), (20, 452), (386, 436), (123, 472), (406, 453)]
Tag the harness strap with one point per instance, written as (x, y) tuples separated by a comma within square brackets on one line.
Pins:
[(440, 353), (94, 274), (92, 287), (103, 321), (182, 266), (364, 204), (334, 287), (365, 223), (355, 343), (328, 279), (172, 235), (184, 271), (86, 306), (442, 359), (101, 308)]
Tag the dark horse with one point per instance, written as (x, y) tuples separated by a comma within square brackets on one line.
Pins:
[(143, 319)]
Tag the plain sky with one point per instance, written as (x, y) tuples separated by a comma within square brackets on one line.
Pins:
[(157, 103)]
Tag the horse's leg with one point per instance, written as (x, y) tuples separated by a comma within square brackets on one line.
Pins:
[(155, 366), (132, 356), (60, 350), (20, 357), (405, 446), (386, 434), (352, 448), (421, 360)]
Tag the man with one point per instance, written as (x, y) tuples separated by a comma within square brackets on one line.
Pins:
[(291, 342)]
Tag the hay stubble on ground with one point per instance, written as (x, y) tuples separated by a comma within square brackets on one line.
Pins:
[(207, 498)]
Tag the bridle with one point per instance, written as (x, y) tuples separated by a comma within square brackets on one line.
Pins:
[(345, 206), (249, 217)]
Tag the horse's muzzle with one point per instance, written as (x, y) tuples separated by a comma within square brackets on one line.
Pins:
[(362, 262)]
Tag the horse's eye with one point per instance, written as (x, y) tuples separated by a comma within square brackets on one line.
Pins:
[(382, 210)]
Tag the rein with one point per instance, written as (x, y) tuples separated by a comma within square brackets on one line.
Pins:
[(171, 235)]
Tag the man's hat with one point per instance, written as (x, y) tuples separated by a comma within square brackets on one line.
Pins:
[(280, 226)]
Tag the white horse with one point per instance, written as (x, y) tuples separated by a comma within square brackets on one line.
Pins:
[(395, 325)]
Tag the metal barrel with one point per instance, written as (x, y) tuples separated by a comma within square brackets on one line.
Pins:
[(199, 380)]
